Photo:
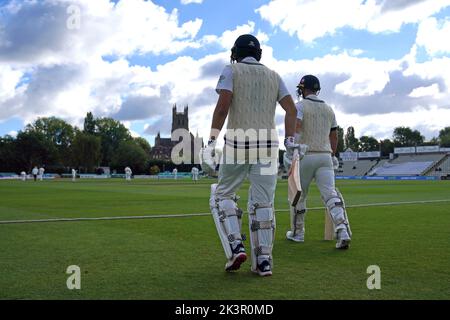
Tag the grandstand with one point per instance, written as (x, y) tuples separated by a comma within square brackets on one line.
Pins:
[(409, 165), (435, 162), (356, 168), (402, 169), (441, 168)]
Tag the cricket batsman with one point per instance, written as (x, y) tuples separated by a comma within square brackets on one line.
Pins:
[(248, 95), (317, 128)]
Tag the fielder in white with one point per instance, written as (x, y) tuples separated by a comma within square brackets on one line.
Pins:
[(248, 95), (74, 174), (194, 173), (35, 172), (317, 129), (23, 176), (41, 173), (128, 173), (175, 173)]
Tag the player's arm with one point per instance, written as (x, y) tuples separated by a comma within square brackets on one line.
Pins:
[(334, 140), (291, 114), (334, 135), (220, 113)]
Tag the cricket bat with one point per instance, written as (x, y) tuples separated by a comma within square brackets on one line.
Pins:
[(329, 229), (294, 186)]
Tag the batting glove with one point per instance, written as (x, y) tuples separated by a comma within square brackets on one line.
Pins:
[(289, 143), (208, 157)]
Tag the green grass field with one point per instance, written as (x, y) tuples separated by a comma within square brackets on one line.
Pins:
[(181, 258)]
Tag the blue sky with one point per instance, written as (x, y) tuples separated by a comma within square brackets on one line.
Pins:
[(382, 63)]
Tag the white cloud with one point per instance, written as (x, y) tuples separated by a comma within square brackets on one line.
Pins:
[(432, 34), (428, 121), (435, 68), (37, 33), (411, 12), (429, 91), (294, 16), (229, 37), (9, 80), (360, 76), (68, 76), (13, 134), (356, 52), (191, 1)]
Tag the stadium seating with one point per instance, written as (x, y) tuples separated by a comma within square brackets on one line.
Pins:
[(409, 165), (402, 165), (402, 169), (435, 157), (356, 168), (442, 168)]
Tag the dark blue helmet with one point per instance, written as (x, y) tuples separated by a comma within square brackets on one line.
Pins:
[(246, 45), (308, 82)]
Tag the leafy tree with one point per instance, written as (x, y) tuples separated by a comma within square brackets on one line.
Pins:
[(433, 142), (350, 140), (86, 151), (444, 137), (368, 143), (58, 133), (406, 137), (145, 145), (445, 142), (89, 124), (129, 153), (340, 146), (111, 133), (32, 149), (386, 147), (8, 154), (56, 130)]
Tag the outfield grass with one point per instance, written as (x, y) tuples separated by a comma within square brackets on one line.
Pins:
[(181, 258)]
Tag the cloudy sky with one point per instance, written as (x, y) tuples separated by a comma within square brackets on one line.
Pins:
[(382, 63)]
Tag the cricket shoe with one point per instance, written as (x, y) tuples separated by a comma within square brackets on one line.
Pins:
[(264, 269), (343, 239), (239, 257), (299, 237)]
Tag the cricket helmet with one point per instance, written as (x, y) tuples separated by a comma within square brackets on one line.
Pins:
[(308, 82), (246, 45)]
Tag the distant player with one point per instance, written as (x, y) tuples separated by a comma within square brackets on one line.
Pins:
[(74, 174), (317, 128), (41, 173), (194, 173), (128, 173), (35, 173), (23, 176), (175, 173)]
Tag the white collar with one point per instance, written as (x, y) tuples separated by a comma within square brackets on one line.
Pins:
[(249, 59)]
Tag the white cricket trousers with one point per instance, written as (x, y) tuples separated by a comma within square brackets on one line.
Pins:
[(262, 184), (317, 166)]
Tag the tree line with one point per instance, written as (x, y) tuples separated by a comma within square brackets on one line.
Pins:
[(104, 142), (402, 137), (58, 146)]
